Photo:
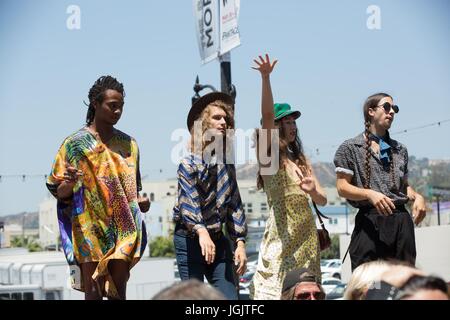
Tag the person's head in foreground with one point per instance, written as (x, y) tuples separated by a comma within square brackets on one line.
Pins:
[(423, 288), (189, 290), (300, 284), (363, 277)]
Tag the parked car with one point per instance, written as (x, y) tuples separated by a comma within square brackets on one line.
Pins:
[(244, 283), (329, 284), (331, 268), (337, 293), (244, 280)]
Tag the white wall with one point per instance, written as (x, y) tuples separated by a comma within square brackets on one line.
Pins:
[(433, 253)]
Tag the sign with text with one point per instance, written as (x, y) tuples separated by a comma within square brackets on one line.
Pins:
[(216, 26)]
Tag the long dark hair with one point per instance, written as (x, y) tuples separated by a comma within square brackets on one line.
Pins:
[(371, 103), (296, 147), (96, 94)]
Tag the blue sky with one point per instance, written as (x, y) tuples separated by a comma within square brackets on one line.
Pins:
[(329, 62)]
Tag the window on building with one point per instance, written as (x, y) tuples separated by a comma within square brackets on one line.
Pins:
[(51, 295), (16, 296), (249, 210), (335, 221), (28, 296), (249, 205), (152, 197), (160, 219), (263, 206)]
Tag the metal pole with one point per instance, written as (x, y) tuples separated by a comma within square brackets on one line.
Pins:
[(346, 219), (225, 73), (438, 210), (23, 226)]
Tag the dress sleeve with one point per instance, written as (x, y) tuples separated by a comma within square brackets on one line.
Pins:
[(138, 170), (56, 175)]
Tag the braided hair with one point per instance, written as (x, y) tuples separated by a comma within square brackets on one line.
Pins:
[(96, 94), (371, 103)]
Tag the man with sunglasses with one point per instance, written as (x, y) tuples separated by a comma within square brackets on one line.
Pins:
[(301, 284), (372, 174)]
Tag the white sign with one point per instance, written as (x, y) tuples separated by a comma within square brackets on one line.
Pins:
[(207, 26), (216, 26), (229, 32)]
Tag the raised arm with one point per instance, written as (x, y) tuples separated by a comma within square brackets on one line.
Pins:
[(265, 67)]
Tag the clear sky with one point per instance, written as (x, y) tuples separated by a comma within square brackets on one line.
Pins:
[(329, 62)]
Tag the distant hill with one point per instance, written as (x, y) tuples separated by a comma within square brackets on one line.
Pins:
[(323, 170), (423, 174), (29, 219)]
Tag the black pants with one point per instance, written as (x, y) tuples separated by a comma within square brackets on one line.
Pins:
[(382, 237)]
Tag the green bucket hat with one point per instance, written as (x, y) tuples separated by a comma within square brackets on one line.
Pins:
[(282, 110)]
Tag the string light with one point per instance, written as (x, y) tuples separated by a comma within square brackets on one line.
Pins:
[(437, 123)]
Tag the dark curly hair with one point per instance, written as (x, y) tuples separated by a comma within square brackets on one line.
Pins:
[(96, 94)]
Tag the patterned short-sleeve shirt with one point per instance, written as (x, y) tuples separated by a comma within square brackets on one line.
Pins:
[(350, 159)]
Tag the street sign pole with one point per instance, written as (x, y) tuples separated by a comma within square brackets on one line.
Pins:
[(225, 75), (438, 209)]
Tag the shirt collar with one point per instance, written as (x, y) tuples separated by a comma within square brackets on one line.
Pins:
[(360, 140)]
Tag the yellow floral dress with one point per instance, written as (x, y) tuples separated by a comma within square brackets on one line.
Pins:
[(290, 239)]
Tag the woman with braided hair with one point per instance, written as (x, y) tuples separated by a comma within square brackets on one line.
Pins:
[(372, 174), (95, 178)]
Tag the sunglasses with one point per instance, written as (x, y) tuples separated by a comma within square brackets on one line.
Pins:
[(387, 107), (308, 295)]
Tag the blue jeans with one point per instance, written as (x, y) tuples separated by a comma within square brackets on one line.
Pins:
[(192, 265)]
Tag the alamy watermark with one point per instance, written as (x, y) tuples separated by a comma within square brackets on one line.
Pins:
[(374, 19), (234, 146), (73, 22)]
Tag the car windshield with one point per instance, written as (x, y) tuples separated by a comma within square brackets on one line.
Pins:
[(327, 282), (338, 290), (323, 263)]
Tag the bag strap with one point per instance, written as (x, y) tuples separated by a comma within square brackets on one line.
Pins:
[(320, 215)]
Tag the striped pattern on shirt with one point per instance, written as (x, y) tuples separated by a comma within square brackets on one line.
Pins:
[(208, 197)]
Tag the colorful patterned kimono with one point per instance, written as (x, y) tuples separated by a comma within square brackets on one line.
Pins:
[(102, 221)]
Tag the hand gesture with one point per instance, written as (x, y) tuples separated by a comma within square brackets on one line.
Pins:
[(307, 182), (265, 67), (207, 245), (144, 203), (240, 259), (383, 204), (70, 178), (71, 175), (419, 210)]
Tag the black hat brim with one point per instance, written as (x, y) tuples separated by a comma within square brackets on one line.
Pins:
[(203, 102)]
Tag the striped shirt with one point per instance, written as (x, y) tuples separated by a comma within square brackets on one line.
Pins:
[(208, 197)]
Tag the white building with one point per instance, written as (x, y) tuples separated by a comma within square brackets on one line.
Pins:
[(46, 276), (48, 222), (341, 214)]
